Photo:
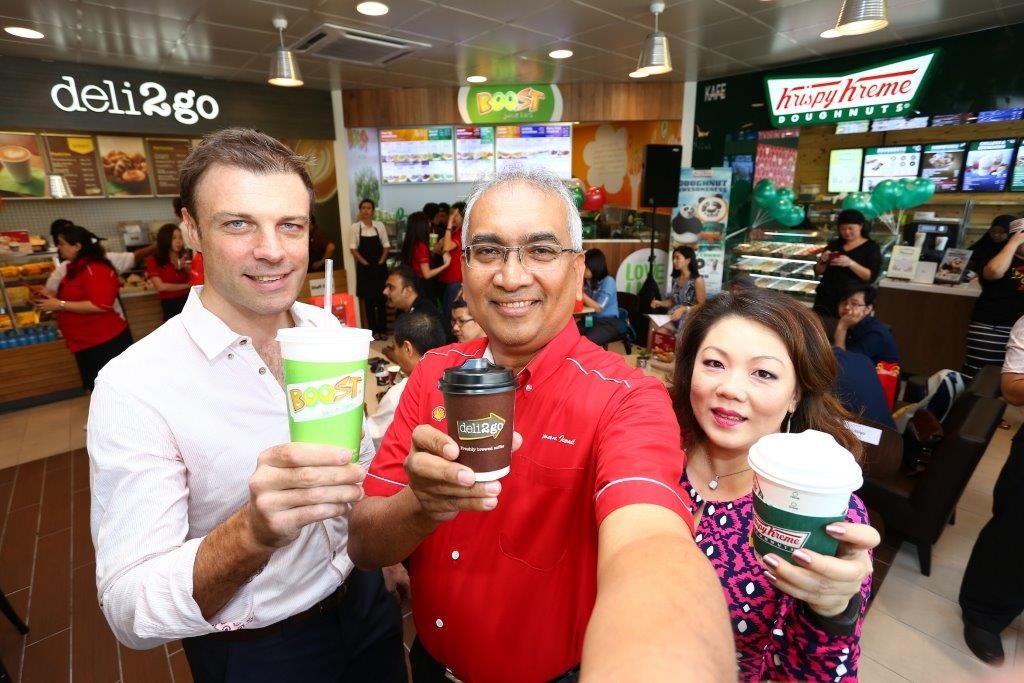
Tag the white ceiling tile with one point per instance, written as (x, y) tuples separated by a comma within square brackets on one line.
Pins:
[(448, 25), (727, 32), (499, 10), (179, 9), (616, 36), (509, 40), (564, 18)]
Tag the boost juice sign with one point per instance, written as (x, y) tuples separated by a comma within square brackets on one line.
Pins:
[(877, 92), (532, 103)]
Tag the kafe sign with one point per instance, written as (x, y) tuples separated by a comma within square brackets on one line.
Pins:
[(533, 103), (187, 108), (880, 91)]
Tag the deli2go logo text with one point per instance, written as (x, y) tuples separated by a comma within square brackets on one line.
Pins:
[(186, 107)]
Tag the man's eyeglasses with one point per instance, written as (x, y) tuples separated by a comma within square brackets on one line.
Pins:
[(462, 321), (537, 256)]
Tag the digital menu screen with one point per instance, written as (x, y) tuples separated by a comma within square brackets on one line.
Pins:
[(881, 163), (1017, 179), (951, 119), (75, 158), (994, 115), (417, 155), (852, 127), (125, 166), (474, 153), (548, 146), (167, 156), (944, 164), (988, 165), (844, 167), (898, 123)]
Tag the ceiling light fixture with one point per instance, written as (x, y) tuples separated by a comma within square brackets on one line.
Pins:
[(476, 79), (22, 32), (284, 70), (560, 54), (654, 58), (372, 9), (857, 17), (639, 73)]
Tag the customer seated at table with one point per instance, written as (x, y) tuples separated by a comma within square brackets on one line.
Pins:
[(749, 365), (688, 289), (464, 325), (858, 387), (860, 331), (600, 294), (415, 334)]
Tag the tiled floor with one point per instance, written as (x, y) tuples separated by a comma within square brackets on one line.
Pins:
[(913, 631)]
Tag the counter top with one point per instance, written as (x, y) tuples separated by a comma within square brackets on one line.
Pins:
[(136, 293), (970, 289)]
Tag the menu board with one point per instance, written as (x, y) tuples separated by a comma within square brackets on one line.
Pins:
[(988, 165), (167, 156), (951, 119), (852, 127), (547, 146), (417, 155), (74, 157), (1017, 180), (844, 166), (22, 173), (125, 167), (994, 115), (881, 163), (898, 123), (944, 164), (474, 153)]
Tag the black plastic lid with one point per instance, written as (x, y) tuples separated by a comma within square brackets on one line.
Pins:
[(476, 376)]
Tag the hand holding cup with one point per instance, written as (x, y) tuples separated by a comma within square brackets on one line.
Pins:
[(296, 484)]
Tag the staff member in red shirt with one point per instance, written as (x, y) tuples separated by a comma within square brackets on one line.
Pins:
[(84, 304), (586, 562), (169, 271), (451, 244)]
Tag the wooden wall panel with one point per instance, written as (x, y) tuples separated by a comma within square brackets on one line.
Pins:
[(37, 370), (817, 141), (582, 102)]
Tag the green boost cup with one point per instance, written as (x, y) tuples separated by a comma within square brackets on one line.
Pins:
[(325, 380), (802, 483)]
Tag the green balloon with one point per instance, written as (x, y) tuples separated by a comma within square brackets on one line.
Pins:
[(924, 188), (793, 217), (779, 206), (906, 196), (786, 193), (883, 197), (764, 192)]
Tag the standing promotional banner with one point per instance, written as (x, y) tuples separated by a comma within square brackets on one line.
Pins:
[(363, 167), (699, 221)]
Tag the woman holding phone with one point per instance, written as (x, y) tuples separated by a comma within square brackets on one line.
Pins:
[(853, 257)]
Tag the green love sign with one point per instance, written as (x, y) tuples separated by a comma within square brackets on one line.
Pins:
[(521, 103)]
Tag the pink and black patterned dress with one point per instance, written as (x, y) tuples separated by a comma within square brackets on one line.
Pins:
[(775, 638)]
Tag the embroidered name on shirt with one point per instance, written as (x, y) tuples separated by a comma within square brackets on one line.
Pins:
[(559, 439)]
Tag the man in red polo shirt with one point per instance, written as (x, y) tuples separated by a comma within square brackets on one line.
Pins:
[(586, 557)]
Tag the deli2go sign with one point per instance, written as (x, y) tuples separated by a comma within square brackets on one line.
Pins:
[(185, 106)]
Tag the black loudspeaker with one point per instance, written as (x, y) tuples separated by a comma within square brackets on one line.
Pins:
[(661, 175)]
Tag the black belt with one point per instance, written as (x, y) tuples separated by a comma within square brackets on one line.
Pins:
[(331, 602)]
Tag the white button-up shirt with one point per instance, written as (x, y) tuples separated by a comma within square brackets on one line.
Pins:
[(175, 427)]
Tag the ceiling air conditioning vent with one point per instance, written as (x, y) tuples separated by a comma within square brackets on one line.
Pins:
[(341, 43)]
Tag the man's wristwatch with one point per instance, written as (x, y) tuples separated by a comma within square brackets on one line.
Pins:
[(63, 304)]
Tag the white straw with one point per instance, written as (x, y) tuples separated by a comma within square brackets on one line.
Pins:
[(328, 284)]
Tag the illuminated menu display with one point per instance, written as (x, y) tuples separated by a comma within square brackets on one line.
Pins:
[(988, 165), (944, 164), (417, 155), (474, 153), (547, 146), (75, 158), (881, 163), (844, 166)]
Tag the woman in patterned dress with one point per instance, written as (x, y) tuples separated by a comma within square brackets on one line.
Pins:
[(688, 289), (752, 364)]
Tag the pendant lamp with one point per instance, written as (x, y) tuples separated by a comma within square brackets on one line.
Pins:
[(284, 70)]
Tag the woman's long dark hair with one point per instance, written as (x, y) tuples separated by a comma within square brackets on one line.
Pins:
[(802, 334), (417, 229), (91, 249), (164, 238), (687, 253), (594, 260)]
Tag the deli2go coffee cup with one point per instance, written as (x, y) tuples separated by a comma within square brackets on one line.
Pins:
[(479, 405), (802, 483), (325, 383)]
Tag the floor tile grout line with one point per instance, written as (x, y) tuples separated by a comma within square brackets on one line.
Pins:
[(878, 663)]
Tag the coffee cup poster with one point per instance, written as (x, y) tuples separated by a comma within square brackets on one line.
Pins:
[(699, 221), (22, 173)]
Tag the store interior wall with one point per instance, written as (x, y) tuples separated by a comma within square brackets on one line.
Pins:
[(102, 216)]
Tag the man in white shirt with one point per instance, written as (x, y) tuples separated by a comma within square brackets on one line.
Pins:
[(249, 569), (415, 334)]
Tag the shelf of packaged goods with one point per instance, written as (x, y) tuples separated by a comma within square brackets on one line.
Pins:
[(790, 259), (808, 276), (804, 289)]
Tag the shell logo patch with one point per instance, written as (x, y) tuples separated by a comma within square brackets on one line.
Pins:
[(437, 413)]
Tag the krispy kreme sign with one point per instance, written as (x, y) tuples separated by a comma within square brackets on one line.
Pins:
[(879, 91)]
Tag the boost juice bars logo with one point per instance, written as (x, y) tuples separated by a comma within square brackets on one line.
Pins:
[(526, 99), (483, 428), (880, 91), (326, 397), (534, 103)]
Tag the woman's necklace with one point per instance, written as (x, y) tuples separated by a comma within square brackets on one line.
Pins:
[(713, 482)]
